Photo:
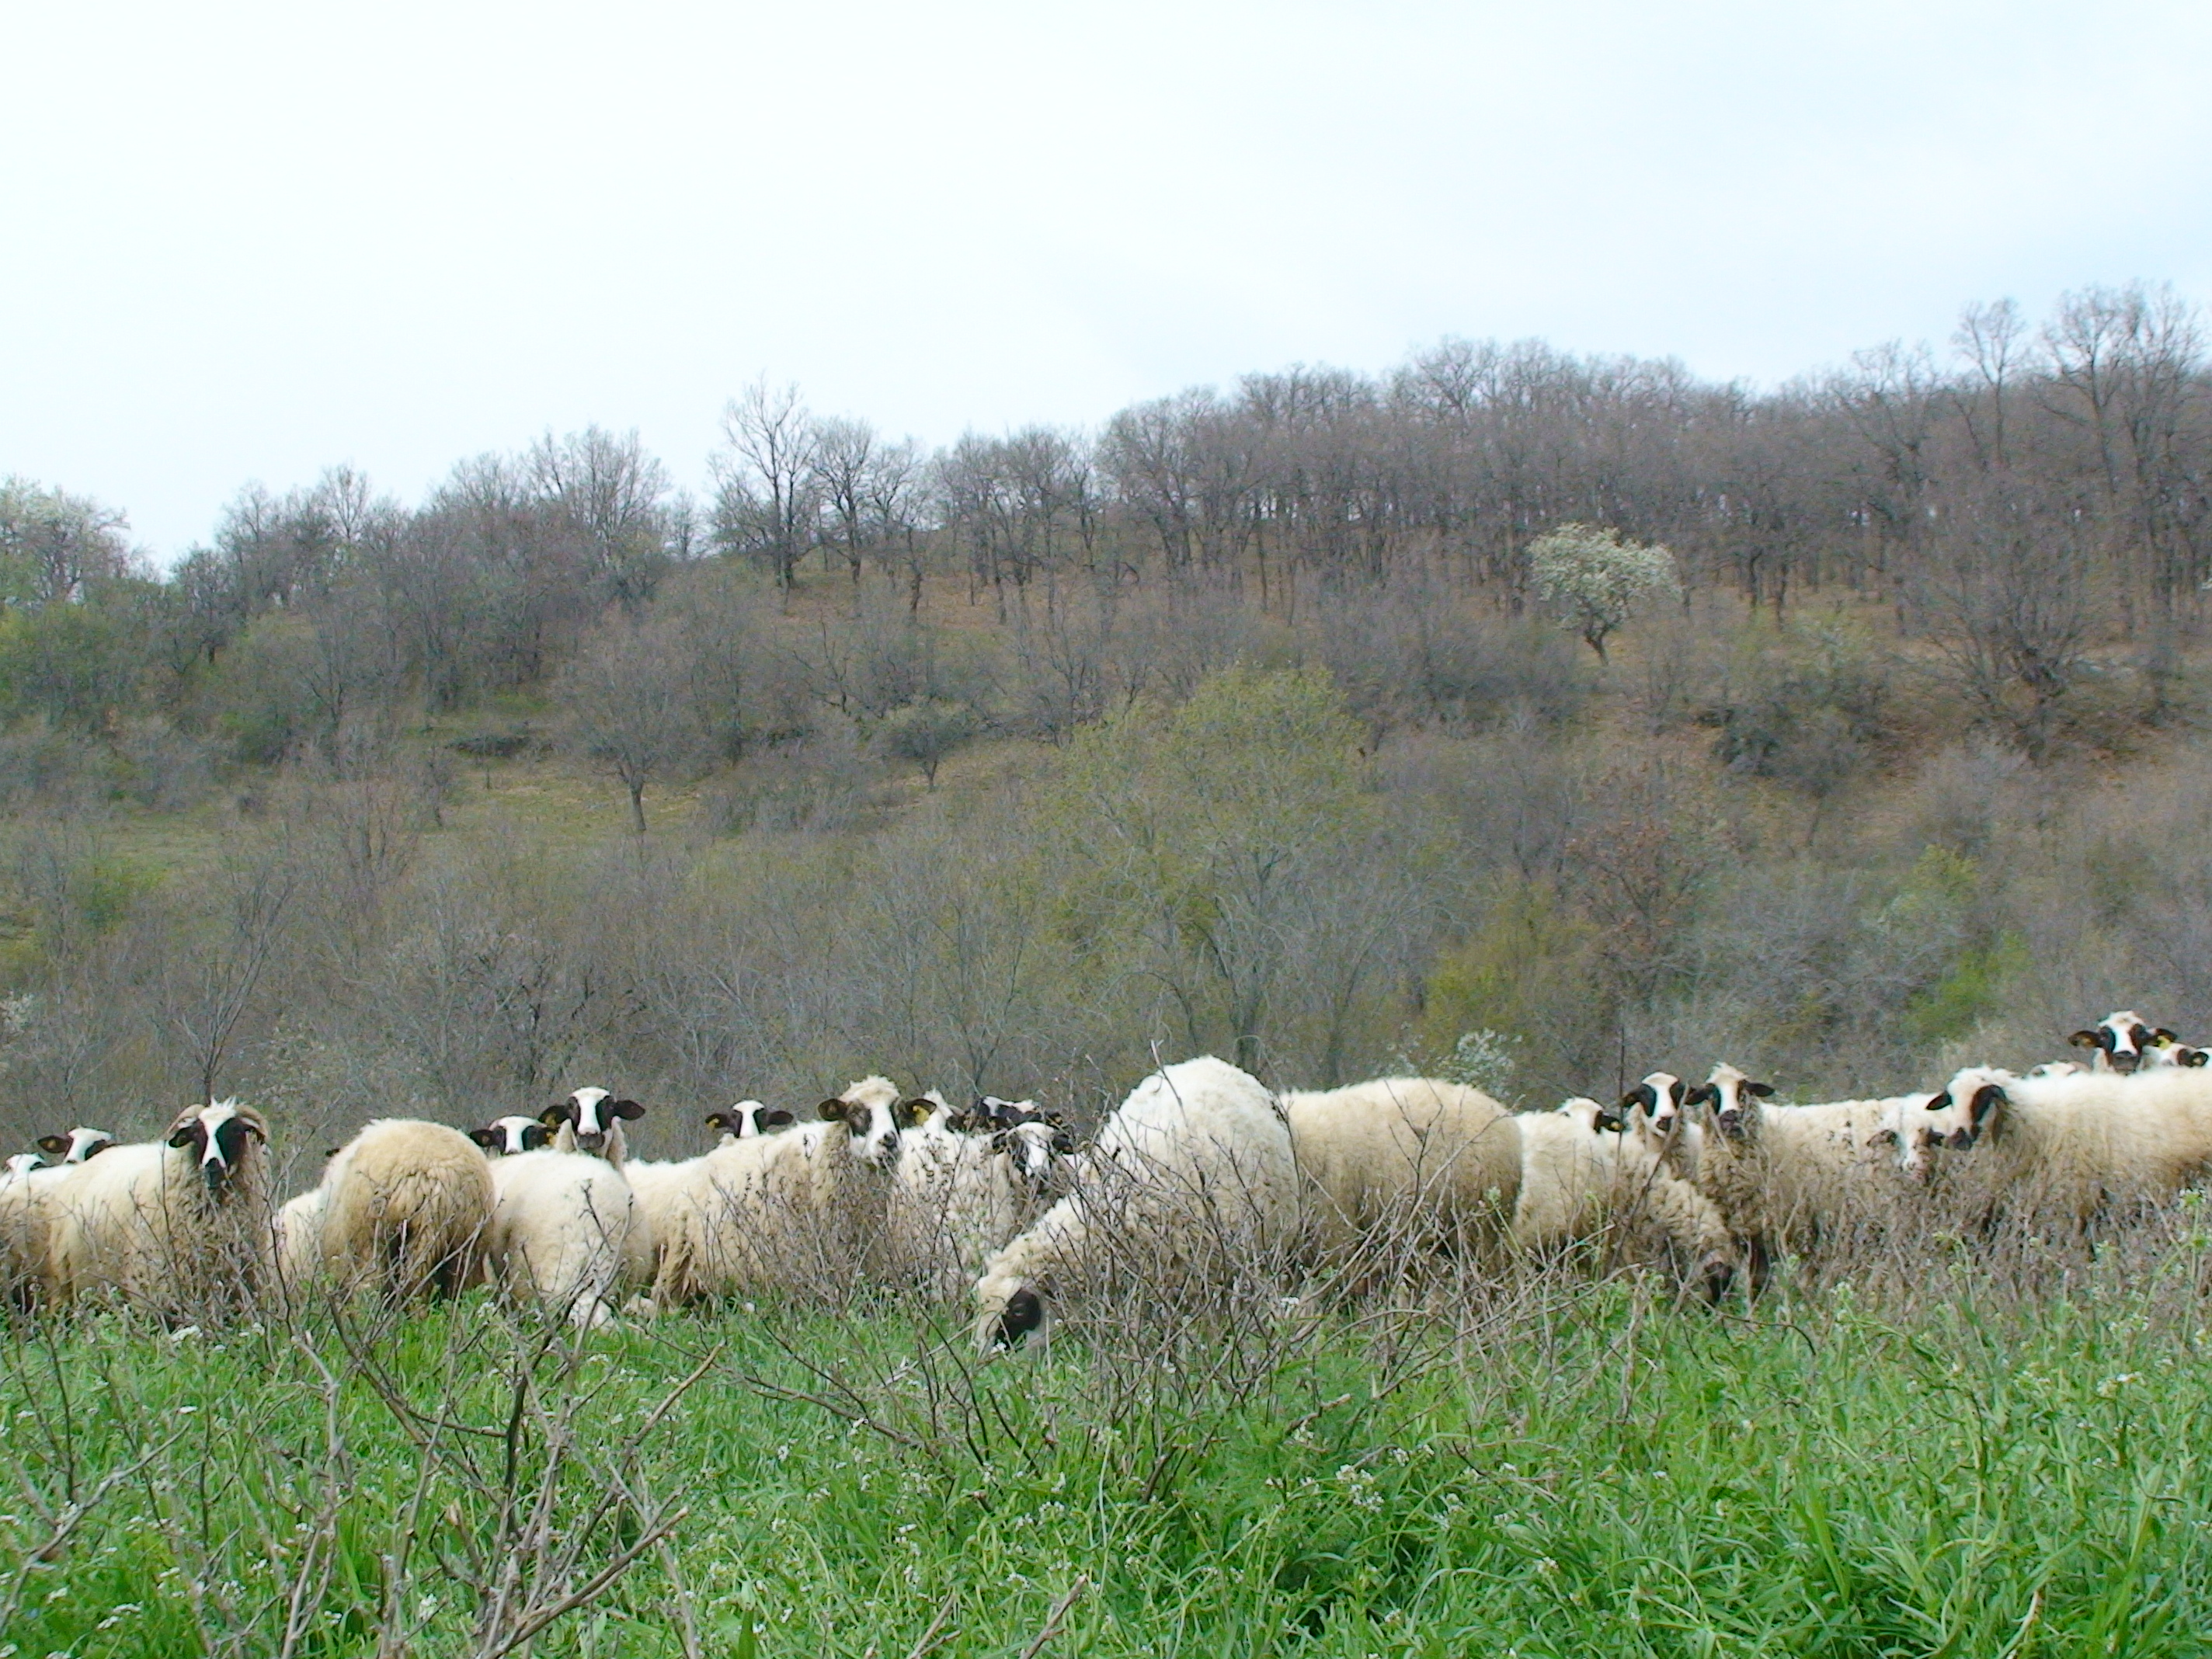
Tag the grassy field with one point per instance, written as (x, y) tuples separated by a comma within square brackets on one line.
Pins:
[(1556, 1469)]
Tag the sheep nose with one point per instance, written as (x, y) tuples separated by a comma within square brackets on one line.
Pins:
[(2125, 1063)]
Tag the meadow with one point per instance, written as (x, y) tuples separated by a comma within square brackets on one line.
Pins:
[(1961, 1460)]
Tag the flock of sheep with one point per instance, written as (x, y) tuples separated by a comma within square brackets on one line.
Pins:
[(1200, 1173)]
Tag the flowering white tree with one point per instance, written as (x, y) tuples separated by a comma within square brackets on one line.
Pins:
[(1592, 579)]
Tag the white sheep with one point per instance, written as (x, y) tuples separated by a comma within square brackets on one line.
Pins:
[(1579, 1180), (2066, 1147), (566, 1231), (170, 1223), (26, 1203), (805, 1210), (1375, 1159), (1191, 1182), (963, 1192), (1797, 1178), (405, 1205), (299, 1237)]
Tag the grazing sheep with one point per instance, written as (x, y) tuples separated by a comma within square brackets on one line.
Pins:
[(168, 1224), (2118, 1042), (1578, 1179), (591, 1121), (1378, 1156), (566, 1231), (2066, 1148), (1191, 1180), (805, 1210), (406, 1204)]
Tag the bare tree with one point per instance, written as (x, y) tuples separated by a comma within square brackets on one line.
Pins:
[(768, 503), (624, 706)]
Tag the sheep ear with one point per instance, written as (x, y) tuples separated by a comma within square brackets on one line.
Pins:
[(628, 1108), (180, 1131), (1700, 1094), (1764, 1090), (2083, 1039), (486, 1139), (1062, 1142), (720, 1121), (2161, 1034), (835, 1111), (553, 1116), (2195, 1057), (776, 1118), (53, 1145)]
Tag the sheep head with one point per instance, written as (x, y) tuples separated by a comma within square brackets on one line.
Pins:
[(1734, 1098), (2122, 1038), (79, 1145), (866, 1108), (749, 1118), (591, 1116), (504, 1135), (218, 1135)]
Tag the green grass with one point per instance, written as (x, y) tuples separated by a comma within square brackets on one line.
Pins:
[(1595, 1473)]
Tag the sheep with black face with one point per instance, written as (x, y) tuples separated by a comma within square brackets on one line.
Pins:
[(171, 1224)]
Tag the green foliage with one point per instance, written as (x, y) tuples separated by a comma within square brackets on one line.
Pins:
[(1813, 709), (74, 665), (1598, 1476), (1206, 847)]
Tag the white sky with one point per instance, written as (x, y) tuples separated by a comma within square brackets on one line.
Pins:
[(244, 242)]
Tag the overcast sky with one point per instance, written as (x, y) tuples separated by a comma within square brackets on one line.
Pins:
[(244, 242)]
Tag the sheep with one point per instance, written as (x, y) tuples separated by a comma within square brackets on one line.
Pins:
[(2118, 1042), (566, 1230), (2173, 1053), (169, 1223), (23, 1231), (298, 1241), (1194, 1172), (25, 1205), (504, 1136), (1795, 1178), (2066, 1148), (1578, 1177), (1442, 1157), (804, 1209), (79, 1145), (963, 1189), (406, 1204), (748, 1118), (591, 1121), (1654, 1111)]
